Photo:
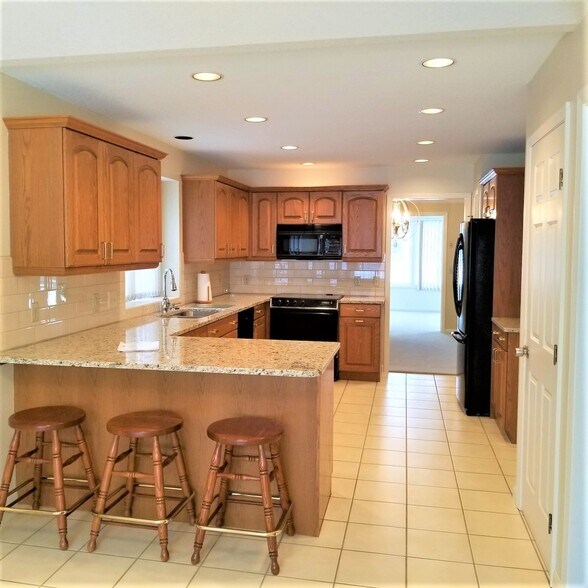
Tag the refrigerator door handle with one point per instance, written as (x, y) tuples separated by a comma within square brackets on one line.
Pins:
[(459, 337)]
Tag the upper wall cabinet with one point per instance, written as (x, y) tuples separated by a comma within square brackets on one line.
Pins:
[(263, 225), (215, 218), (320, 207), (363, 225), (82, 199)]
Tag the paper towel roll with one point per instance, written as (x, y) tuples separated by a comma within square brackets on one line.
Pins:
[(204, 291)]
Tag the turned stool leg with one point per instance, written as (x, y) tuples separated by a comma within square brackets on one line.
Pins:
[(160, 498), (224, 487), (103, 493), (59, 489), (183, 475), (38, 470), (268, 510), (282, 488), (86, 460), (8, 470), (215, 464), (131, 482)]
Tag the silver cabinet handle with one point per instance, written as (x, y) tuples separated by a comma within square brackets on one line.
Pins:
[(111, 250), (360, 321), (104, 251), (522, 351), (359, 310), (273, 247), (312, 216)]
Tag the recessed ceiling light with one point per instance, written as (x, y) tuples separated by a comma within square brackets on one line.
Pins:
[(425, 142), (438, 62), (256, 119), (308, 163), (183, 137), (289, 147), (421, 160), (432, 110), (207, 76)]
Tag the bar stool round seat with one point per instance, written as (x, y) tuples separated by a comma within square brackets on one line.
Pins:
[(243, 432), (52, 420), (136, 426)]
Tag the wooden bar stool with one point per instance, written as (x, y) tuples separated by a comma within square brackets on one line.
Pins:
[(245, 432), (135, 426), (47, 419)]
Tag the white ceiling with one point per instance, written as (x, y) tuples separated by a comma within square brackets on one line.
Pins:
[(340, 79)]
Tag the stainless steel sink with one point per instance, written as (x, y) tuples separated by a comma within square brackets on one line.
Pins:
[(196, 312)]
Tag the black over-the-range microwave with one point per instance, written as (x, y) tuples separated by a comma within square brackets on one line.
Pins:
[(309, 241)]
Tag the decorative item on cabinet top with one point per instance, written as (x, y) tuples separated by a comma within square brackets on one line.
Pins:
[(82, 199)]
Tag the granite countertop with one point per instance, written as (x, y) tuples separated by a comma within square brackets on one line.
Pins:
[(363, 300), (98, 348), (508, 324)]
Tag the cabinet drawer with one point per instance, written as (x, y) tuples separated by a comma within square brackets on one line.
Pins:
[(259, 311), (200, 332), (223, 326), (500, 338), (359, 310)]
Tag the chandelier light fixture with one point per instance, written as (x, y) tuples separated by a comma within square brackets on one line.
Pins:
[(401, 219)]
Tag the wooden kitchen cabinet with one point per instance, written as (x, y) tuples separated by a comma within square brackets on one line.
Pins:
[(363, 225), (225, 327), (359, 336), (505, 377), (215, 218), (261, 321), (82, 199), (263, 225), (316, 207)]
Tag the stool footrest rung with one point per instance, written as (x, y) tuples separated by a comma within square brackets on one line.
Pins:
[(238, 477), (133, 475), (72, 459), (122, 455)]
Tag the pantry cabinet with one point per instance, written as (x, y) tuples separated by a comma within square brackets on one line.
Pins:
[(359, 336), (363, 225), (82, 199), (215, 218)]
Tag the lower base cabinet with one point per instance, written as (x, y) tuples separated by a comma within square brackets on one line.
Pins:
[(261, 321), (359, 336), (505, 381)]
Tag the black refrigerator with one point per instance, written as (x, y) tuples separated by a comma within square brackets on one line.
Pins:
[(473, 276)]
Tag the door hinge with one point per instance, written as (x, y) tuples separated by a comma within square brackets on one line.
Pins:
[(560, 178), (550, 524), (555, 355)]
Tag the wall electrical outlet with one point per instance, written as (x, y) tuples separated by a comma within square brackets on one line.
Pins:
[(357, 281), (101, 301), (376, 281), (35, 315), (246, 279)]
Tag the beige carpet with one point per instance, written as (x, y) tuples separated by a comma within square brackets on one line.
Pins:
[(417, 346)]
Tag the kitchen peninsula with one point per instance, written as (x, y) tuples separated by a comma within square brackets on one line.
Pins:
[(203, 379)]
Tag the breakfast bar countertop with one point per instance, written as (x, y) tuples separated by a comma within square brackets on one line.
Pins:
[(98, 347)]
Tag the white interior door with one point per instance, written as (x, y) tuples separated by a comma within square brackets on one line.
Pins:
[(541, 331)]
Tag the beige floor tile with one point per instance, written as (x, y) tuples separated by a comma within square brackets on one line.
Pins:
[(389, 397), (124, 541), (371, 569), (463, 426), (471, 450), (380, 491), (508, 467), (490, 425), (448, 406), (331, 535), (283, 582), (338, 509), (181, 546), (238, 553), (218, 578), (499, 440), (493, 524), (429, 395), (17, 565), (488, 482), (398, 409), (429, 573), (512, 482), (494, 577), (144, 574), (388, 443), (488, 501), (427, 477), (90, 569), (78, 533), (476, 465), (423, 404), (375, 539), (388, 420), (466, 437), (383, 457), (353, 408), (347, 440), (421, 434), (382, 473), (418, 423), (6, 548), (387, 514), (352, 454), (438, 545), (16, 528), (420, 413), (345, 469), (429, 461), (308, 562), (498, 551), (351, 417), (342, 487), (505, 452), (357, 399), (435, 447), (433, 496), (384, 431), (429, 518)]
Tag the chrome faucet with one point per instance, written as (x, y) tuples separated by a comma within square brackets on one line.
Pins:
[(165, 303)]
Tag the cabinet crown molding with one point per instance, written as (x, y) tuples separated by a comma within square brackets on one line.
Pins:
[(500, 171)]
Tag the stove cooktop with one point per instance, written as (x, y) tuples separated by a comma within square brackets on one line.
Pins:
[(319, 301)]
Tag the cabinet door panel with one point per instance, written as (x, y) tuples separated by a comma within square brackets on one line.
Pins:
[(148, 207), (325, 207), (263, 225), (240, 223), (83, 166), (360, 345), (223, 221), (362, 225), (293, 208), (119, 205)]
